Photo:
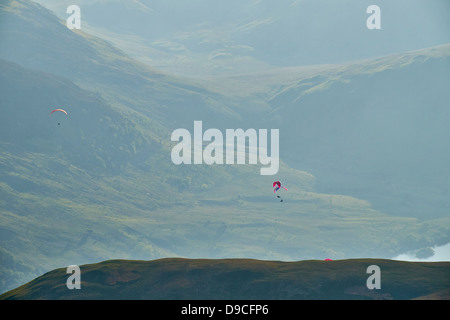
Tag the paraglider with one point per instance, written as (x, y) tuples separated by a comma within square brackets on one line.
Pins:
[(61, 110), (277, 186)]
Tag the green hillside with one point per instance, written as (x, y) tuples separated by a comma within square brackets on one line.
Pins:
[(241, 279)]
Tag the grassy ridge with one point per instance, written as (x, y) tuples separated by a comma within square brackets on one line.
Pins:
[(176, 278)]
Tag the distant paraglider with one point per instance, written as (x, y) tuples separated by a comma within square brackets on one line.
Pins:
[(61, 110), (277, 186)]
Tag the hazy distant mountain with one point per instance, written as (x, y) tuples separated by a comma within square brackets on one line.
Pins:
[(375, 130), (203, 37), (34, 38), (241, 279)]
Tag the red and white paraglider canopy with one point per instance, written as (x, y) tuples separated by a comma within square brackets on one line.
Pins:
[(59, 110)]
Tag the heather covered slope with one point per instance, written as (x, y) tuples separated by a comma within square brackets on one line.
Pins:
[(240, 279)]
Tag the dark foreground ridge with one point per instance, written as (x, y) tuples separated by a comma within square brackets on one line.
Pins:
[(242, 279)]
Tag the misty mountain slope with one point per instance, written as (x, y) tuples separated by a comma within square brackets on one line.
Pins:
[(94, 64), (57, 192), (242, 36), (379, 134), (96, 184), (64, 176), (374, 129), (29, 96), (240, 279)]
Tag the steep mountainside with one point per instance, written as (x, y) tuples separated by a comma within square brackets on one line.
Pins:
[(376, 130)]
